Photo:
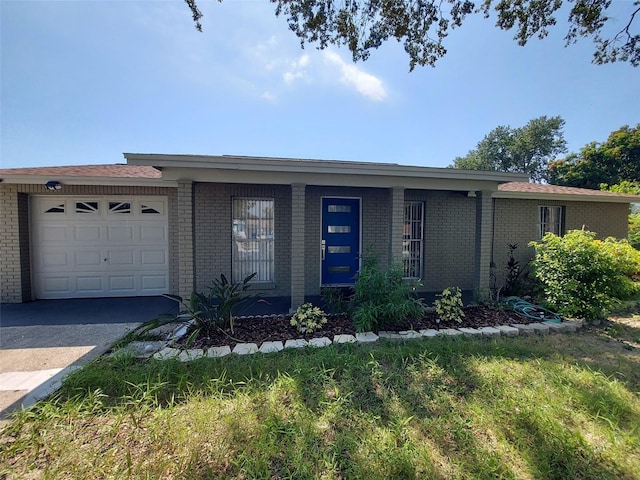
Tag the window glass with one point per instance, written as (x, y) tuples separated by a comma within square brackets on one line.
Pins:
[(551, 220), (253, 239)]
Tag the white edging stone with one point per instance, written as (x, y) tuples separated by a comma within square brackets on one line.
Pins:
[(344, 339), (215, 352), (452, 332), (390, 335), (470, 332), (429, 333), (319, 342), (166, 353), (409, 334), (270, 347), (245, 349), (188, 355), (366, 337), (297, 343), (489, 332), (508, 330)]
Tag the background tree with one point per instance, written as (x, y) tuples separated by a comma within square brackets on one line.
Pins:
[(422, 26), (611, 162), (526, 149)]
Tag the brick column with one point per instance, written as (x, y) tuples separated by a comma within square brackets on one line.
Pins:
[(484, 242), (397, 224), (297, 244), (10, 271), (185, 239)]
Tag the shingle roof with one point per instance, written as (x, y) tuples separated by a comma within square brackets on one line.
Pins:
[(110, 171), (525, 187)]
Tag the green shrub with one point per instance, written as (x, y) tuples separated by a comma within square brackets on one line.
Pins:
[(308, 318), (634, 230), (383, 297), (212, 311), (335, 299), (449, 305), (584, 277)]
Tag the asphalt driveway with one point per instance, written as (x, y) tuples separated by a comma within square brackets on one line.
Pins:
[(42, 341)]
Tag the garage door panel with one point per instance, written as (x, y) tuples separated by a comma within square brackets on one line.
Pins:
[(89, 284), (154, 283), (121, 257), (54, 233), (153, 258), (120, 233), (99, 246), (55, 285), (87, 233), (153, 233), (84, 258)]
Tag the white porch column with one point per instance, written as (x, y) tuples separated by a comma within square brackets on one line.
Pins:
[(484, 242), (397, 224), (185, 239), (297, 244)]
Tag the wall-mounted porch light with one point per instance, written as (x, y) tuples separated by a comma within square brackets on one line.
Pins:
[(53, 185)]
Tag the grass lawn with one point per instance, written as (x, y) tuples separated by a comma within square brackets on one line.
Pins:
[(561, 406)]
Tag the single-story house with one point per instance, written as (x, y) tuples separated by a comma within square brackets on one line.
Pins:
[(173, 223)]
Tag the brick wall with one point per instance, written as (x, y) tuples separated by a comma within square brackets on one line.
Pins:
[(15, 255), (449, 239), (213, 232), (516, 221)]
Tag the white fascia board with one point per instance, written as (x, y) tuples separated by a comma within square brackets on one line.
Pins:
[(197, 164), (74, 180), (568, 197)]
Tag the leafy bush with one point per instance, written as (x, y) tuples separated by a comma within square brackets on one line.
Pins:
[(308, 318), (215, 310), (634, 230), (584, 277), (449, 305), (383, 297)]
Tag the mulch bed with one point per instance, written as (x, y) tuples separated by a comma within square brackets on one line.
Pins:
[(264, 328)]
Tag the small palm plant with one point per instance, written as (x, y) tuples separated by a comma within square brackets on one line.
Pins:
[(210, 312)]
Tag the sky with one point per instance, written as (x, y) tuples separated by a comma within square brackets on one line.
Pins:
[(84, 81)]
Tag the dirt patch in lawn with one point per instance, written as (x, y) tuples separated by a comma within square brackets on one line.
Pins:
[(264, 328)]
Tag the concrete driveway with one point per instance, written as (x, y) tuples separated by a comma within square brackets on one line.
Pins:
[(42, 341)]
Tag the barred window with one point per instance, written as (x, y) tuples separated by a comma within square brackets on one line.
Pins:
[(412, 239), (551, 220), (253, 237)]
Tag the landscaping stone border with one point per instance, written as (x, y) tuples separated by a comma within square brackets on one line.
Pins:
[(164, 351)]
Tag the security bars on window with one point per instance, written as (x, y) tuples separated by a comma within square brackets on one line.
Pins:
[(412, 239), (253, 239)]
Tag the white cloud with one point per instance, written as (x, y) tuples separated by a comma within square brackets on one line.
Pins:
[(298, 70), (268, 96), (366, 84)]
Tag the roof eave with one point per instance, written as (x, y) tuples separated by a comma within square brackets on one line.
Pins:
[(86, 180), (310, 166)]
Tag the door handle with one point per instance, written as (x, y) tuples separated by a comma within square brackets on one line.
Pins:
[(323, 249)]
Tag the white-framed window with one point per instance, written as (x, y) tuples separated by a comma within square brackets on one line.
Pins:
[(551, 219), (253, 239), (413, 237)]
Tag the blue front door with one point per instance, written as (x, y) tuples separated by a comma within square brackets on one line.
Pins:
[(340, 240)]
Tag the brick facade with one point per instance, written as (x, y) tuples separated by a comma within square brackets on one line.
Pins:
[(516, 222), (463, 235)]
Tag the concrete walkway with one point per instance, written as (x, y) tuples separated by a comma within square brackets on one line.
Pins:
[(42, 341)]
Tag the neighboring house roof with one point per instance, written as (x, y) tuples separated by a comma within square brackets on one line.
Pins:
[(537, 191), (117, 174)]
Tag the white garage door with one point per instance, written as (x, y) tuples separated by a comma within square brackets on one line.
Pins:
[(107, 246)]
